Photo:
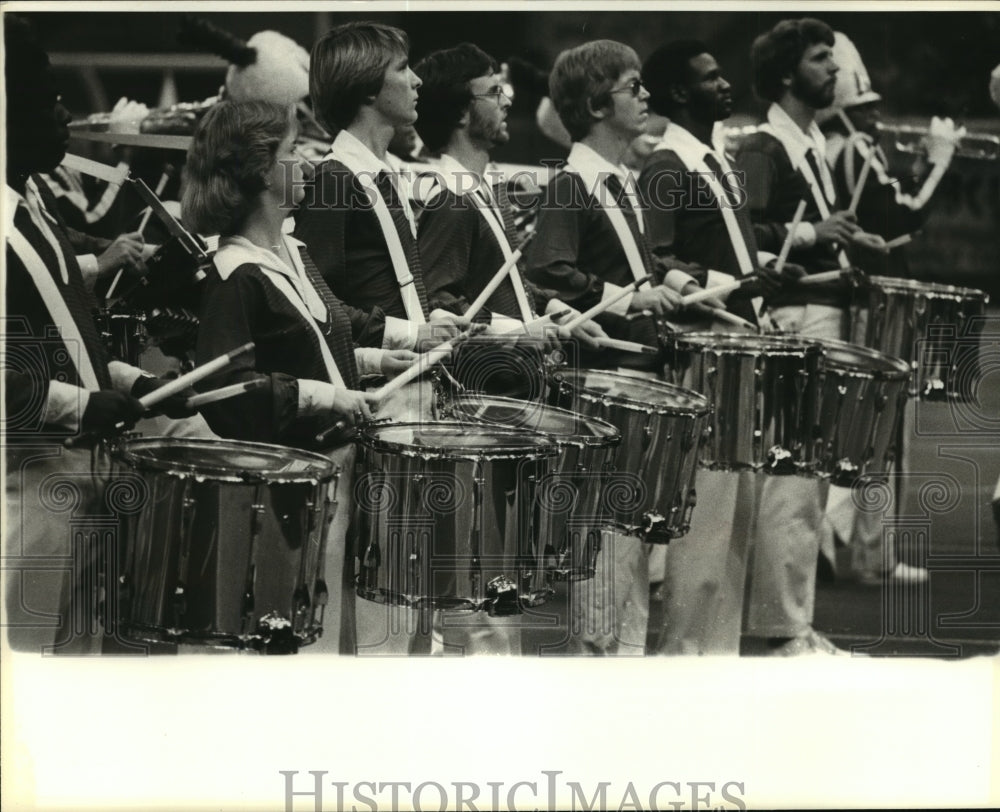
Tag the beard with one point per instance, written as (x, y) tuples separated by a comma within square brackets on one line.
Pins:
[(816, 96), (486, 131)]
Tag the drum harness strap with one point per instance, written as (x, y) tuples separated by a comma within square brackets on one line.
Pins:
[(810, 177), (692, 152), (593, 179), (487, 207), (400, 266)]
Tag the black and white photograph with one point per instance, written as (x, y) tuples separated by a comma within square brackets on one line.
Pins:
[(501, 406)]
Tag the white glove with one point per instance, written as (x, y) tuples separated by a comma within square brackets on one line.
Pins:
[(942, 138), (995, 85)]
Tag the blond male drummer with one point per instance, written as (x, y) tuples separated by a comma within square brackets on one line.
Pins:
[(590, 243)]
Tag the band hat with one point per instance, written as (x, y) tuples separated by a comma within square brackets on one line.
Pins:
[(854, 85), (279, 74)]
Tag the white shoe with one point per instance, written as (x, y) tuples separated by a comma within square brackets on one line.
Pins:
[(808, 642)]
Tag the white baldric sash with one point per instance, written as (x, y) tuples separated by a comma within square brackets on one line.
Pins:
[(694, 162), (815, 185), (56, 306), (593, 179), (495, 222), (404, 277), (284, 285)]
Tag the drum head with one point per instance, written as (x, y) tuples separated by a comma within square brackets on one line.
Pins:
[(745, 344), (226, 459), (842, 356), (633, 392), (454, 439), (932, 289), (562, 425)]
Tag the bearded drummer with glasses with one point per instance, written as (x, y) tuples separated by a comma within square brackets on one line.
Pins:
[(466, 227)]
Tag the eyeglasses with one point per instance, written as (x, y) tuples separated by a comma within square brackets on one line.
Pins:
[(632, 87), (497, 93)]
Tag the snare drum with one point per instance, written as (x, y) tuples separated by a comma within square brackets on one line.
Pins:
[(862, 393), (571, 497), (763, 389), (652, 491), (446, 516), (935, 328), (225, 546)]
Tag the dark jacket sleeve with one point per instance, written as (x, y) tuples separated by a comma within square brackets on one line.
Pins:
[(321, 222), (760, 172), (552, 258), (445, 240)]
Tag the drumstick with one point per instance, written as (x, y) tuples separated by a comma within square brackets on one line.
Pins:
[(862, 177), (602, 306), (820, 278), (168, 389), (418, 367), (547, 318), (786, 246), (898, 241), (225, 392), (627, 346), (732, 318), (498, 277), (708, 293), (640, 314), (142, 227), (192, 377)]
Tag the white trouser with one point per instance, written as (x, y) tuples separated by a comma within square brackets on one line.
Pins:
[(789, 530)]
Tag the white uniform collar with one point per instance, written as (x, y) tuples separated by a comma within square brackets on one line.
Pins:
[(792, 135), (351, 152), (591, 165), (461, 181), (692, 150), (797, 143)]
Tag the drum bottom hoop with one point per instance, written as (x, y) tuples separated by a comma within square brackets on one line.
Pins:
[(810, 470), (443, 603), (285, 642), (655, 531)]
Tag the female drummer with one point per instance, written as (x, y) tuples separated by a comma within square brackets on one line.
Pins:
[(241, 178)]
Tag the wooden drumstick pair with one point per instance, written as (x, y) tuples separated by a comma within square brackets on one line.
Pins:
[(179, 385)]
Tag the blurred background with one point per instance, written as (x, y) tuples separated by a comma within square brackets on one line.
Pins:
[(923, 63)]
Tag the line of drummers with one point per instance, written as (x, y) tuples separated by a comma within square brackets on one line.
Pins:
[(440, 415)]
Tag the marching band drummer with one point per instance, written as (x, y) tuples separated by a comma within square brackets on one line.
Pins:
[(466, 227), (59, 380), (705, 572), (465, 233), (890, 207), (784, 162), (358, 223), (242, 175), (590, 243), (356, 217)]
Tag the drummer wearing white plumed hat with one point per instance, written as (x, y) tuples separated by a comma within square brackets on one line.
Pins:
[(891, 207)]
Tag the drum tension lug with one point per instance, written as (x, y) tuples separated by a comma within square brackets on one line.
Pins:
[(502, 597)]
